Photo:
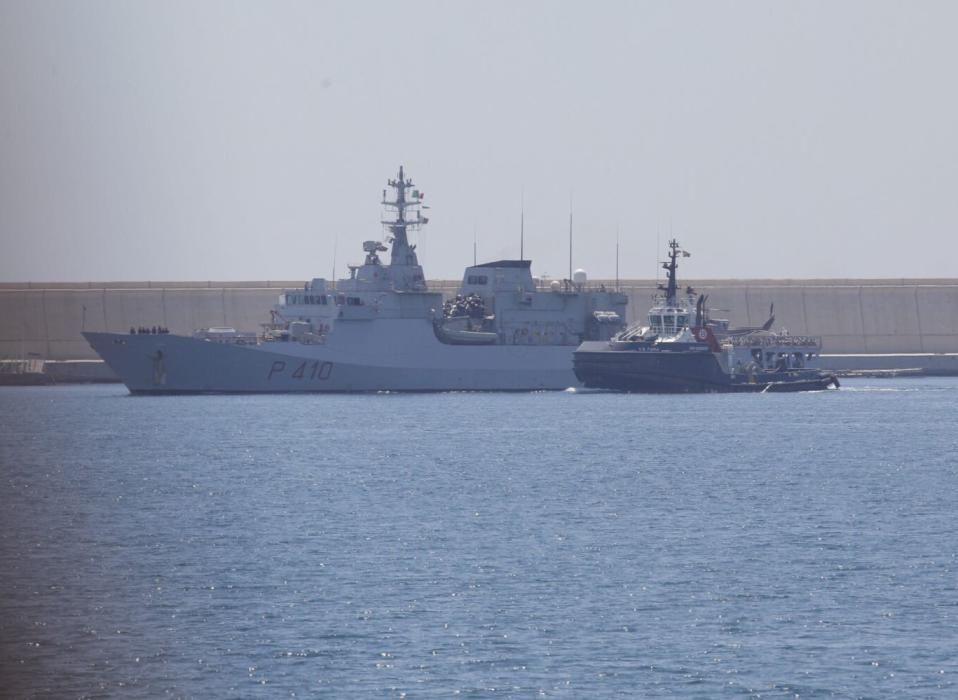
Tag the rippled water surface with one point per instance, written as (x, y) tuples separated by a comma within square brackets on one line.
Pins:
[(476, 545)]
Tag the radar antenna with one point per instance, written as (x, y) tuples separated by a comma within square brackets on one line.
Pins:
[(404, 205), (671, 288)]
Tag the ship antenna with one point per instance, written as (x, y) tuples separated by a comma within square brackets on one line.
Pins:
[(335, 248), (570, 238), (670, 267), (658, 231), (522, 224), (474, 238), (616, 257)]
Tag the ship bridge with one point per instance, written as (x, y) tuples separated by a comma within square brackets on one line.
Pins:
[(498, 276)]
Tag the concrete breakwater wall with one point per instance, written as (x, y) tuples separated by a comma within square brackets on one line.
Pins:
[(852, 316)]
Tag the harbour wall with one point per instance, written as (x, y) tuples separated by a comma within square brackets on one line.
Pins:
[(851, 316)]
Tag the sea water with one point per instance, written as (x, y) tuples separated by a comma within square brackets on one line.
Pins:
[(568, 544)]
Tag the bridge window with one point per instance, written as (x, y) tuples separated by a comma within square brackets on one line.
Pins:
[(477, 279)]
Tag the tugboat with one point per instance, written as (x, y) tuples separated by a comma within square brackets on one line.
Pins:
[(682, 350)]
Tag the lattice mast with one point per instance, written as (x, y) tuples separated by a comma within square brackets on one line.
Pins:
[(408, 208), (672, 287)]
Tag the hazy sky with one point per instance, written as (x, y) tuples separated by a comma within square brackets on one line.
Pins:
[(240, 140)]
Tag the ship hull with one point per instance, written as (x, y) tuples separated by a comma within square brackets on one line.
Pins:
[(359, 357), (666, 372), (598, 367)]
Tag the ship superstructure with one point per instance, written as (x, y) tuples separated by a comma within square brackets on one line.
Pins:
[(383, 329)]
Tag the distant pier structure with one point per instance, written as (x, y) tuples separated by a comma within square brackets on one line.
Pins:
[(853, 316)]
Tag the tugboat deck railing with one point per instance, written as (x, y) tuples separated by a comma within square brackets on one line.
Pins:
[(758, 341)]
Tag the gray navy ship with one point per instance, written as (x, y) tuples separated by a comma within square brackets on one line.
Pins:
[(382, 329)]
